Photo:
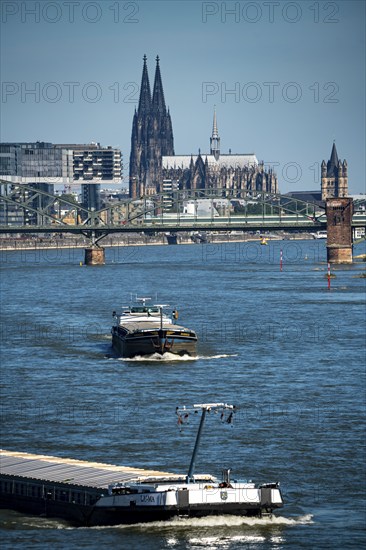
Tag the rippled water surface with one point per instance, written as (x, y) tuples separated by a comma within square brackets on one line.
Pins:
[(288, 352)]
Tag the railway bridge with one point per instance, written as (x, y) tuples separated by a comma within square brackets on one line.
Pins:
[(173, 212)]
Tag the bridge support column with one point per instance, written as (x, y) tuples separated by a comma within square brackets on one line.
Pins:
[(339, 230), (95, 256)]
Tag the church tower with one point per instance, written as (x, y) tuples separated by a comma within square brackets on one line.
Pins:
[(334, 177), (214, 139), (152, 137)]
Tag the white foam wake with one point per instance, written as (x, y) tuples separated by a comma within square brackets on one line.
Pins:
[(217, 521), (169, 357), (230, 521)]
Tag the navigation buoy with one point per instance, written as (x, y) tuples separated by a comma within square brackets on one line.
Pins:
[(328, 276)]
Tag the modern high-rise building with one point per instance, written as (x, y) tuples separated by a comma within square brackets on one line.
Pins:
[(38, 162), (38, 165), (43, 165), (94, 165)]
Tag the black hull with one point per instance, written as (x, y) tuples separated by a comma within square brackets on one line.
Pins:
[(89, 516), (172, 239), (130, 347), (76, 514)]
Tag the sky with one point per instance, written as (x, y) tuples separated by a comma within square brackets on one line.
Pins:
[(287, 78)]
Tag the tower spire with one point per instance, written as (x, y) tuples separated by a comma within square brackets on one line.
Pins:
[(145, 93), (333, 162), (215, 139), (158, 101), (334, 177), (215, 133)]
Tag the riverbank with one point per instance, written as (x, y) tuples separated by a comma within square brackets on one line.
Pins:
[(51, 243)]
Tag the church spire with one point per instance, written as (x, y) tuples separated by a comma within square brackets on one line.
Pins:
[(158, 101), (145, 93), (332, 165), (215, 133), (214, 139), (334, 177)]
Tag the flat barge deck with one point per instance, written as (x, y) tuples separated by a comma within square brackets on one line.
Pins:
[(62, 487), (94, 493)]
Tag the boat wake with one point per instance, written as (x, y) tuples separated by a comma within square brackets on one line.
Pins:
[(217, 521), (32, 522), (170, 357)]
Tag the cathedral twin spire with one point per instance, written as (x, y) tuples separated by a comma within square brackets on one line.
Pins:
[(152, 136), (156, 103), (145, 93)]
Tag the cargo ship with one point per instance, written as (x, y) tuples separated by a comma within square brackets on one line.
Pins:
[(93, 493), (143, 329)]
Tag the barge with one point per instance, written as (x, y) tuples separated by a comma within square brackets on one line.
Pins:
[(143, 329), (91, 494)]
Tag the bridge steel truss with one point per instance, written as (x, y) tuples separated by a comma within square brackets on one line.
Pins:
[(161, 213)]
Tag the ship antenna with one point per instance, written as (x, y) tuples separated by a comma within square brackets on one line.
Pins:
[(205, 408)]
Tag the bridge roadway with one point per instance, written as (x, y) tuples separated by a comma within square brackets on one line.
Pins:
[(180, 224), (175, 224)]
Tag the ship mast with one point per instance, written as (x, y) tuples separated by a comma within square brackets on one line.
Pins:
[(205, 409)]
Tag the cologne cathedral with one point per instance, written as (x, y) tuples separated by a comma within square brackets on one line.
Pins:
[(153, 162), (152, 137)]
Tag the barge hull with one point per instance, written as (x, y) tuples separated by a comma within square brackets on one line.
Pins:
[(92, 516), (129, 347)]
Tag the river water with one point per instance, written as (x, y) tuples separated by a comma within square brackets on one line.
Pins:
[(282, 347)]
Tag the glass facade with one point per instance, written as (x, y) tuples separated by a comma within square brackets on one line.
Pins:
[(40, 165), (32, 160)]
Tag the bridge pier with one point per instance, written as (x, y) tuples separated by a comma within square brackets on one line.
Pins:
[(339, 213), (94, 255)]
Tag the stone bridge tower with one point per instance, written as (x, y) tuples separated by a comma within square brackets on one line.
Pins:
[(339, 209), (339, 229)]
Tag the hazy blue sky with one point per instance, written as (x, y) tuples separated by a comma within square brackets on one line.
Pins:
[(287, 78)]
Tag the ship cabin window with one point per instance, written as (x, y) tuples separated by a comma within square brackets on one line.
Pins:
[(144, 309), (123, 491)]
